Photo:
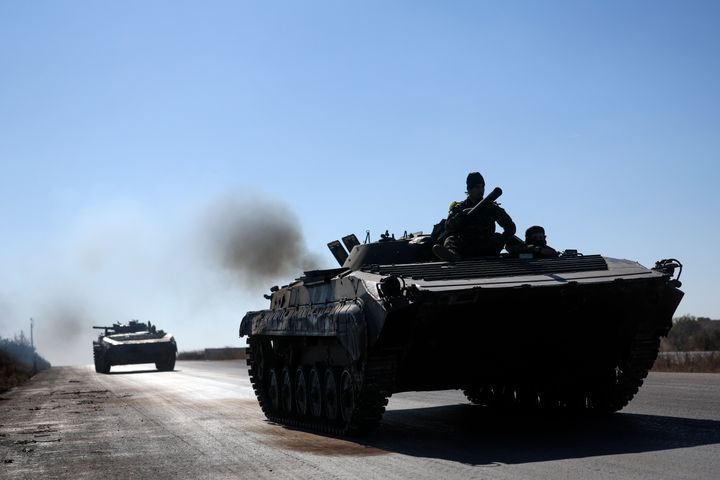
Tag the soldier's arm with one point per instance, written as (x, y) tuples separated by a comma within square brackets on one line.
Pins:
[(503, 219), (549, 252)]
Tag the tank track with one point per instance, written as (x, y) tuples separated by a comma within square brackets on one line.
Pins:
[(370, 399), (606, 396), (101, 363), (629, 378)]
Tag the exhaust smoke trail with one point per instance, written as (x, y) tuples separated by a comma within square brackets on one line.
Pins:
[(257, 239)]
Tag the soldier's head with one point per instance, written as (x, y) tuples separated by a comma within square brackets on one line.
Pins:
[(535, 235), (475, 186)]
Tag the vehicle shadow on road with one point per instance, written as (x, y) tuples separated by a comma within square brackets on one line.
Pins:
[(472, 435)]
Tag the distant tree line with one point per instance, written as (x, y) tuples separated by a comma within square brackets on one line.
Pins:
[(691, 334), (18, 361)]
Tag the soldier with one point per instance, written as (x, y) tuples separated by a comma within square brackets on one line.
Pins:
[(474, 236), (536, 241)]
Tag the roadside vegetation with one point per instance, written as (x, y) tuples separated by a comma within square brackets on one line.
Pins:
[(690, 334), (693, 345), (18, 361), (191, 355)]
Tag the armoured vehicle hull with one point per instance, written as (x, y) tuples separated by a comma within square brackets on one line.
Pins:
[(573, 333), (134, 343)]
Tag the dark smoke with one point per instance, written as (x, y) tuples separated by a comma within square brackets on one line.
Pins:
[(64, 320), (259, 240), (63, 330)]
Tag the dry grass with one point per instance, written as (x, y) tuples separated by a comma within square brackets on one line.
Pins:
[(13, 373), (18, 362), (695, 362)]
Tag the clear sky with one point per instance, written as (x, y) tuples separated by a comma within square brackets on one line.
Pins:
[(130, 130)]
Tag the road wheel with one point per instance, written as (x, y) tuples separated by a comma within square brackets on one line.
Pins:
[(505, 396), (575, 401), (347, 396), (527, 398), (602, 396), (301, 392), (315, 393), (330, 395), (480, 395), (274, 390), (286, 390), (549, 400)]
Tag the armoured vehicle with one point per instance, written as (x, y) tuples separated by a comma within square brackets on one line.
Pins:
[(134, 342), (574, 333)]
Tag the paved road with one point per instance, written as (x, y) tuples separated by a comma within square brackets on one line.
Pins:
[(202, 421)]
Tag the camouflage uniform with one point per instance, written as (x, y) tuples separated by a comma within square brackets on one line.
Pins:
[(475, 236)]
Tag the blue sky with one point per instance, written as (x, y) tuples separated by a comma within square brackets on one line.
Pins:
[(123, 125)]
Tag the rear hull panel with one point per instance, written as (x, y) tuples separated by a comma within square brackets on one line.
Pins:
[(139, 353), (109, 351)]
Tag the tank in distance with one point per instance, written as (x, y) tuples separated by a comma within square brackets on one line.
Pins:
[(134, 342)]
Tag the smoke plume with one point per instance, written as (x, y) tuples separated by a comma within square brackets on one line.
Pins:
[(257, 239), (194, 272), (64, 319), (64, 329)]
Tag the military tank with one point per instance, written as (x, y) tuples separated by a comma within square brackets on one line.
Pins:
[(134, 342), (573, 333)]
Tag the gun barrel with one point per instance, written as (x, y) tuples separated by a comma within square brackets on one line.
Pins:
[(491, 197), (102, 328)]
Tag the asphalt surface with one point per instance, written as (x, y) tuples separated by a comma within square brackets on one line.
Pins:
[(202, 421)]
